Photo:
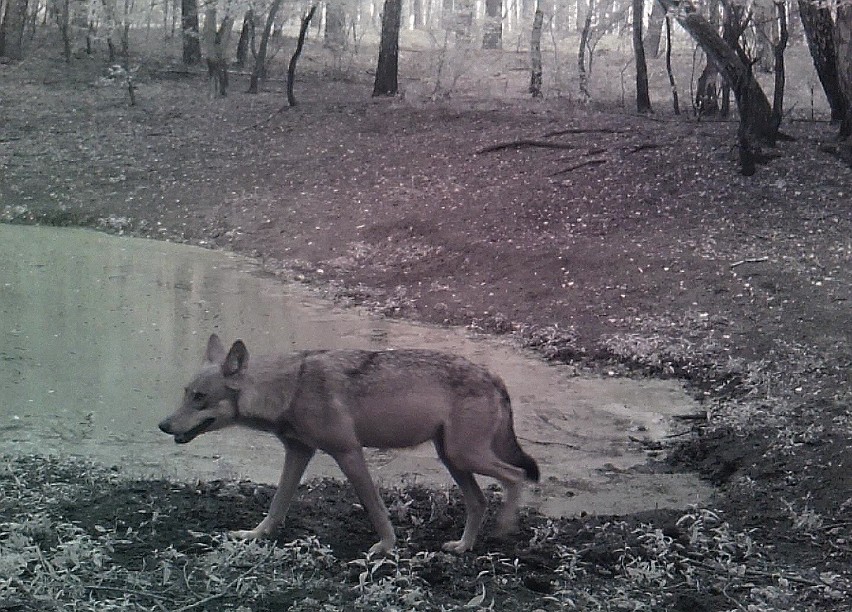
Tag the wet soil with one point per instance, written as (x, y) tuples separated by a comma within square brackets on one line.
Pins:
[(658, 260)]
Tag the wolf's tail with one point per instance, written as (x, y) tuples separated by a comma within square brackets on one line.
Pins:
[(516, 455)]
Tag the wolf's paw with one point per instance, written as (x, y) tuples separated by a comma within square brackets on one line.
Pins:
[(251, 534), (456, 546), (381, 548), (507, 525)]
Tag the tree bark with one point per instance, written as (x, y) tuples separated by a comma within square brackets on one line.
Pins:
[(643, 99), (535, 55), (291, 68), (245, 35), (581, 53), (675, 101), (751, 99), (335, 25), (819, 31), (189, 28), (386, 83), (843, 51), (259, 70), (655, 29), (734, 22), (492, 37), (778, 48), (217, 52), (12, 29)]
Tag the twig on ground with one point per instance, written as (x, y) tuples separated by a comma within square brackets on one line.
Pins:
[(591, 162), (750, 260), (644, 147), (268, 119), (585, 131), (228, 589), (125, 591)]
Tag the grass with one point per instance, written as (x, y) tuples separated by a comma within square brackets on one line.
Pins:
[(693, 557)]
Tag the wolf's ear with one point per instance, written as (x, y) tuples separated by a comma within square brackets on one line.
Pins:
[(215, 352), (236, 361)]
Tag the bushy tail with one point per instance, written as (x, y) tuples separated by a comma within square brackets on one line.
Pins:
[(516, 455)]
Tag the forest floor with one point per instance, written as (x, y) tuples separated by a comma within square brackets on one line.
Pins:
[(618, 243)]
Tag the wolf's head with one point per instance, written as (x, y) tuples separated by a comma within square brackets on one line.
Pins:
[(210, 400)]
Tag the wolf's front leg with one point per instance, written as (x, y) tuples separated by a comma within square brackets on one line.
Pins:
[(353, 465), (296, 461)]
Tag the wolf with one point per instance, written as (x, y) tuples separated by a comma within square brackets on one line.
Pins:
[(340, 401)]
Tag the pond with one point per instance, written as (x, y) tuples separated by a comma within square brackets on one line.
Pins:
[(100, 334)]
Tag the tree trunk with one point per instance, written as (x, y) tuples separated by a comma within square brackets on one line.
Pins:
[(189, 28), (706, 92), (291, 68), (655, 29), (245, 35), (843, 50), (63, 21), (757, 123), (492, 37), (12, 29), (259, 70), (581, 54), (763, 20), (388, 66), (535, 55), (335, 24), (819, 30), (643, 100), (732, 69), (734, 22), (778, 48), (216, 48), (675, 102)]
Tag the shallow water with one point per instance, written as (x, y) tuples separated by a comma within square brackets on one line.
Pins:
[(100, 334)]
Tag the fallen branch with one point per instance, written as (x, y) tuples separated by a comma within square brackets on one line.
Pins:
[(644, 147), (750, 260), (591, 162), (268, 119), (585, 131), (524, 143)]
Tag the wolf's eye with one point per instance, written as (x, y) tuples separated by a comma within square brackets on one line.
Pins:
[(198, 396)]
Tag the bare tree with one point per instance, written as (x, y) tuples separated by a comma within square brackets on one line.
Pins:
[(778, 48), (675, 102), (216, 41), (843, 43), (643, 99), (189, 29), (535, 53), (757, 122), (259, 71), (492, 37), (12, 29), (655, 29), (386, 83), (291, 68), (246, 36), (819, 31), (585, 34)]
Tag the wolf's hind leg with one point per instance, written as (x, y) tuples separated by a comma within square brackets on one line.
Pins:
[(474, 504), (296, 460)]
